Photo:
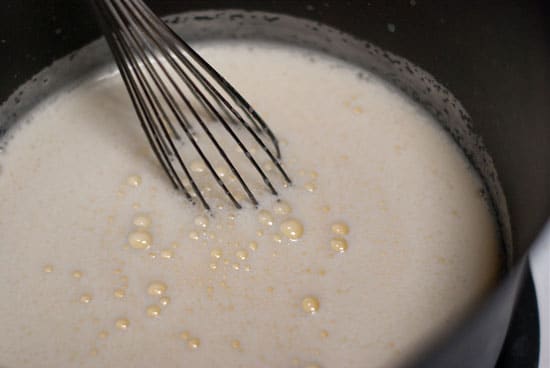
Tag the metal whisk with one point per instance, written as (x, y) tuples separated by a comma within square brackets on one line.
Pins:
[(176, 95)]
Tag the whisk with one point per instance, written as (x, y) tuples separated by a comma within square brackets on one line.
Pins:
[(177, 95)]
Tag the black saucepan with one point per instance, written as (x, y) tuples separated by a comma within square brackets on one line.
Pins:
[(493, 57)]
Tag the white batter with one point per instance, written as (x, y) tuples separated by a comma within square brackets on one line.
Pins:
[(103, 264)]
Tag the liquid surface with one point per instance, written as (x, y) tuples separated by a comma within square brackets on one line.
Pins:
[(383, 240)]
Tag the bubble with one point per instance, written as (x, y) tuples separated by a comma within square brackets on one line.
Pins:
[(221, 171), (282, 208), (201, 221), (48, 268), (292, 229), (85, 298), (122, 324), (194, 343), (242, 255), (340, 228), (134, 180), (216, 253), (310, 187), (197, 166), (310, 305), (156, 288), (142, 221), (339, 245), (153, 311), (140, 239), (167, 253), (265, 218), (164, 301), (119, 293)]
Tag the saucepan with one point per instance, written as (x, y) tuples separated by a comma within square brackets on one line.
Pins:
[(482, 69)]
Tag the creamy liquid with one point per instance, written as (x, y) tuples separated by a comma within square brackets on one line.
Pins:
[(103, 264)]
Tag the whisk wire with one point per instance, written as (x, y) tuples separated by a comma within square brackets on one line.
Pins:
[(207, 131), (152, 102), (197, 92), (179, 116), (138, 40), (237, 98), (143, 114)]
